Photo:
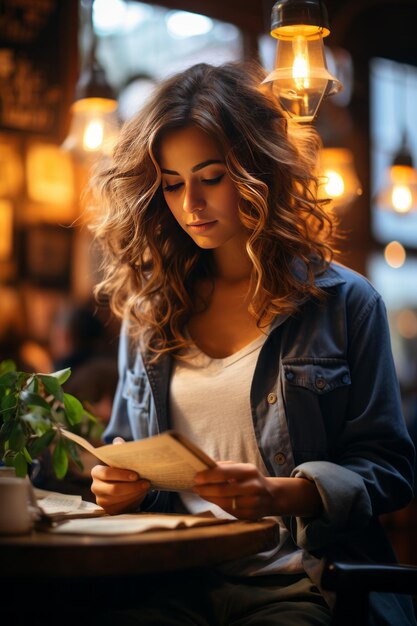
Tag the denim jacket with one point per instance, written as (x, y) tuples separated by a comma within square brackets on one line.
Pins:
[(326, 406)]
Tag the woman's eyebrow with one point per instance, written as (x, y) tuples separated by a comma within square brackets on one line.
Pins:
[(204, 164), (197, 167)]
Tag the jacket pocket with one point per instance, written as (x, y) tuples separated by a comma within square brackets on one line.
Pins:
[(319, 375), (315, 392)]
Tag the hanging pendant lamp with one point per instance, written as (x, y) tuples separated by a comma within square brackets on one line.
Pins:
[(95, 124), (400, 192), (301, 79)]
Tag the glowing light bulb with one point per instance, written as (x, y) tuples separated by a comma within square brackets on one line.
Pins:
[(93, 135), (401, 198), (301, 64), (335, 185)]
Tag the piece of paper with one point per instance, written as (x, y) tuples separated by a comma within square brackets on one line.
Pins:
[(59, 503), (53, 507), (169, 461), (132, 523)]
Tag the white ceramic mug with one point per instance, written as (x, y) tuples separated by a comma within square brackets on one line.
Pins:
[(16, 516)]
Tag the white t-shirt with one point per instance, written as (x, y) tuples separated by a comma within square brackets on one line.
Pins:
[(210, 404)]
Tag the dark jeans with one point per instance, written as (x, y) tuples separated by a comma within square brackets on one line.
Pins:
[(212, 599)]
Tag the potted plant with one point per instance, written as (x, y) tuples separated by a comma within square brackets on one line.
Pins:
[(33, 410)]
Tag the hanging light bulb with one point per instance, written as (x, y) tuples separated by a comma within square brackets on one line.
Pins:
[(338, 180), (301, 79), (400, 194), (95, 125)]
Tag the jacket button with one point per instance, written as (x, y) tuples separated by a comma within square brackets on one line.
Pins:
[(346, 379), (279, 458), (320, 383), (289, 375), (271, 398)]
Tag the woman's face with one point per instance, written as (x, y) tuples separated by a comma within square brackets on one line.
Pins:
[(198, 189)]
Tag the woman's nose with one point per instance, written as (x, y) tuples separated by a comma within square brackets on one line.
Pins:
[(193, 200)]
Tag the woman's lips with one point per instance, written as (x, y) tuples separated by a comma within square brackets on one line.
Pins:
[(201, 227)]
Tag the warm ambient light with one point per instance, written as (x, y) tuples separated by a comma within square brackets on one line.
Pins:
[(94, 125), (334, 185), (337, 177), (401, 198), (6, 229), (400, 195), (395, 254), (301, 79), (301, 66)]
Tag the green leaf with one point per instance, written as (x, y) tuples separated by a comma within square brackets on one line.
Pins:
[(32, 399), (17, 439), (38, 444), (73, 409), (60, 459), (7, 366), (52, 386), (27, 455), (62, 375), (8, 379), (5, 430), (74, 454), (20, 465), (8, 406)]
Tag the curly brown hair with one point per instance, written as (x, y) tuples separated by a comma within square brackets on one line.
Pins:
[(150, 265)]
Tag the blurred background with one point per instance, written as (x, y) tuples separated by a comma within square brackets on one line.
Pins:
[(55, 52)]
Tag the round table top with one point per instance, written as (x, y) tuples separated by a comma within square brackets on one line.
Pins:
[(64, 555)]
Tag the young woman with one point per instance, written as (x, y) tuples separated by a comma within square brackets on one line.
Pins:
[(242, 333)]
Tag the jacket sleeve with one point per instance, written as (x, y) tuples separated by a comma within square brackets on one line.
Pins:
[(371, 470), (119, 425)]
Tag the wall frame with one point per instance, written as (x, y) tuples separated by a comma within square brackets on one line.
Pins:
[(38, 61), (45, 255)]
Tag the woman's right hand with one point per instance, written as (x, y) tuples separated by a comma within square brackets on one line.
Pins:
[(118, 490)]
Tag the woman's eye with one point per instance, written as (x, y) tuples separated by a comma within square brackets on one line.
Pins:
[(172, 187), (213, 181)]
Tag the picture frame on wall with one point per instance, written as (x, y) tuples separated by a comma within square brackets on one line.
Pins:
[(39, 65), (46, 254)]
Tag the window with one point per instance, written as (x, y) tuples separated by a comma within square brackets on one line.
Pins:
[(139, 44), (393, 116)]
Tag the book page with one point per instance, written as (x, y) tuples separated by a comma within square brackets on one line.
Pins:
[(131, 523), (165, 460)]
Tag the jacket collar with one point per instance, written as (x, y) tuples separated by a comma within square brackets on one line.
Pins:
[(331, 277)]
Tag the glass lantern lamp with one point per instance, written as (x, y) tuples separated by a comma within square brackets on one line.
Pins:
[(95, 123), (301, 78)]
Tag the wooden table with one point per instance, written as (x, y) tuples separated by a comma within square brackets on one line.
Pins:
[(110, 571), (66, 556)]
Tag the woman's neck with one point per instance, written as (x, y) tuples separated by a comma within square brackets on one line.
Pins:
[(232, 263)]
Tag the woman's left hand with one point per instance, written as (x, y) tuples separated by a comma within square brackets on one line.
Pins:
[(241, 489)]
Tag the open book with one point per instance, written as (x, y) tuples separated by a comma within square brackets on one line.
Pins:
[(169, 461)]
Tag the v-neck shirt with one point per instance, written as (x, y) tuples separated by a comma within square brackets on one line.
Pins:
[(210, 404)]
